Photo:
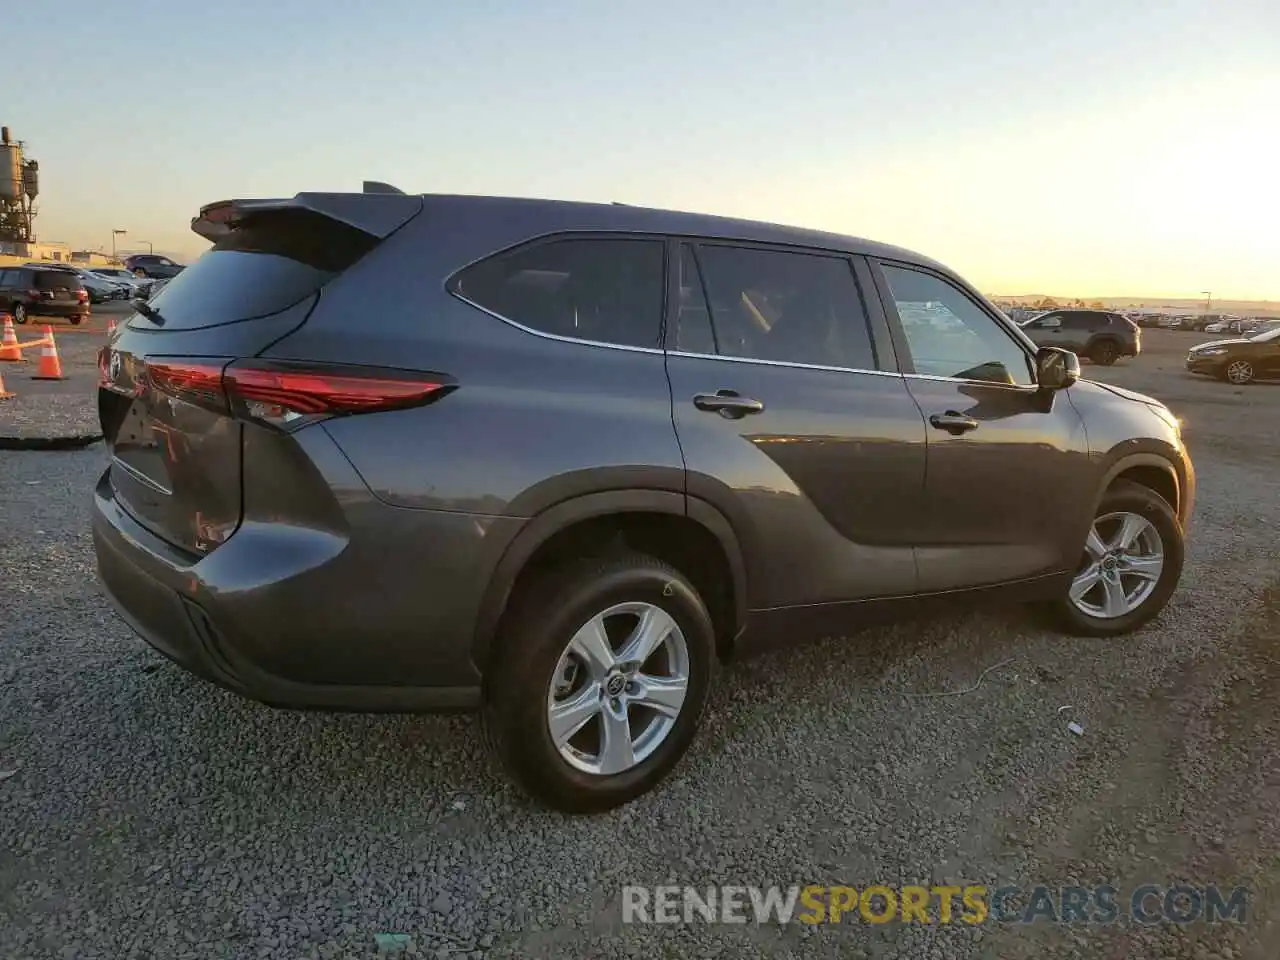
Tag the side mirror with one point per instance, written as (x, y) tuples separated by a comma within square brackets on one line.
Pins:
[(1056, 369)]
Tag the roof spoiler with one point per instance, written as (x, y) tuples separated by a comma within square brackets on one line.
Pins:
[(379, 211)]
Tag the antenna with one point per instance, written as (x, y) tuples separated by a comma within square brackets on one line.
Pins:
[(377, 186)]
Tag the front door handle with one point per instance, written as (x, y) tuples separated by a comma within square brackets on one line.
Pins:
[(954, 423), (728, 403)]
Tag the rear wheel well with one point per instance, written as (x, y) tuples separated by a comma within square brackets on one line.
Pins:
[(1156, 479), (683, 543)]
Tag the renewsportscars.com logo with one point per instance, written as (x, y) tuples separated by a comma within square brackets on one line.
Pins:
[(969, 904)]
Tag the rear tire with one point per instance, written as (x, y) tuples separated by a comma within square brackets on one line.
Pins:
[(1104, 353), (1139, 599), (75, 321), (537, 672)]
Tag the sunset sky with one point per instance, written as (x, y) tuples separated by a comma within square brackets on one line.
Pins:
[(1086, 148)]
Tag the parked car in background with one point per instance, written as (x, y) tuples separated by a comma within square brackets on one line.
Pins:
[(40, 291), (137, 286), (100, 289), (580, 451), (1239, 361), (153, 265), (1101, 336)]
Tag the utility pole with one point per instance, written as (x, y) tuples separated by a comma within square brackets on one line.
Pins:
[(1208, 299), (114, 234)]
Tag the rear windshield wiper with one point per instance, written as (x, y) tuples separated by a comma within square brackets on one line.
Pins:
[(148, 311)]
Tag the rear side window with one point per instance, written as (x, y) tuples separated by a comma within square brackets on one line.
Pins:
[(780, 306), (56, 280), (604, 289), (267, 264)]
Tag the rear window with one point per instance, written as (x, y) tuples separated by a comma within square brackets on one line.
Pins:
[(266, 265), (56, 280)]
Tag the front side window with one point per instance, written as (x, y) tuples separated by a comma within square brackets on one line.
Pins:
[(590, 288), (949, 335), (782, 306)]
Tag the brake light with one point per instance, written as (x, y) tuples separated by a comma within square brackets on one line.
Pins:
[(289, 394), (82, 296), (193, 381)]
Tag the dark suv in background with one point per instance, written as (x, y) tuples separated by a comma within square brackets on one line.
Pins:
[(29, 291), (552, 460), (153, 266), (1101, 336)]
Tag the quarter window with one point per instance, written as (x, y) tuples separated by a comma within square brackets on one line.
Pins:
[(599, 288), (949, 335), (776, 305)]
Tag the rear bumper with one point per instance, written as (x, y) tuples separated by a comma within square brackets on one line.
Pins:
[(234, 617), (49, 308)]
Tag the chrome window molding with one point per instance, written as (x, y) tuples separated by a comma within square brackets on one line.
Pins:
[(556, 336), (690, 355), (781, 363)]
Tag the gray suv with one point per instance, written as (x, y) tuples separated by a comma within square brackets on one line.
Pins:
[(551, 461), (1101, 336)]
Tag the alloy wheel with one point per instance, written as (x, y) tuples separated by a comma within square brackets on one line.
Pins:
[(618, 688), (1240, 371), (19, 314), (1123, 560)]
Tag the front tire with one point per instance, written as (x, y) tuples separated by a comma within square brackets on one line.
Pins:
[(599, 680), (1130, 566), (19, 314), (1238, 372)]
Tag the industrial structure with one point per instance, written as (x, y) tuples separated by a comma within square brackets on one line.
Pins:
[(19, 185)]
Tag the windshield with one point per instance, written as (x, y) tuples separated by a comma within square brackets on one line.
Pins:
[(1271, 334)]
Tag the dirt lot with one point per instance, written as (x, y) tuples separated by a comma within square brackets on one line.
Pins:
[(148, 814)]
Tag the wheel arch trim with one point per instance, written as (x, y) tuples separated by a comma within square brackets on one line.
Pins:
[(1146, 458), (544, 525)]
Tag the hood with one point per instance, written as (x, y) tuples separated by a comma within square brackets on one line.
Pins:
[(1234, 341), (1127, 394)]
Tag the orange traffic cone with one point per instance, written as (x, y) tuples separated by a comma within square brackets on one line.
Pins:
[(50, 367), (9, 349), (5, 394)]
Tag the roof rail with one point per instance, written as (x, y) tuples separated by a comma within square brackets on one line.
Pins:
[(377, 186)]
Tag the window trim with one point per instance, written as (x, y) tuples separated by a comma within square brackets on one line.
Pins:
[(903, 348), (451, 283), (883, 351)]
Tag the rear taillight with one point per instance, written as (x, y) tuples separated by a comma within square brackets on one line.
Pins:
[(198, 382), (289, 394), (82, 296)]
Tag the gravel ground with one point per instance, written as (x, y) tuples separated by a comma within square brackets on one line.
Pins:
[(144, 813)]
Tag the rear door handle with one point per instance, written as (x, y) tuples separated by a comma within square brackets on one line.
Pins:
[(728, 403), (954, 423)]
